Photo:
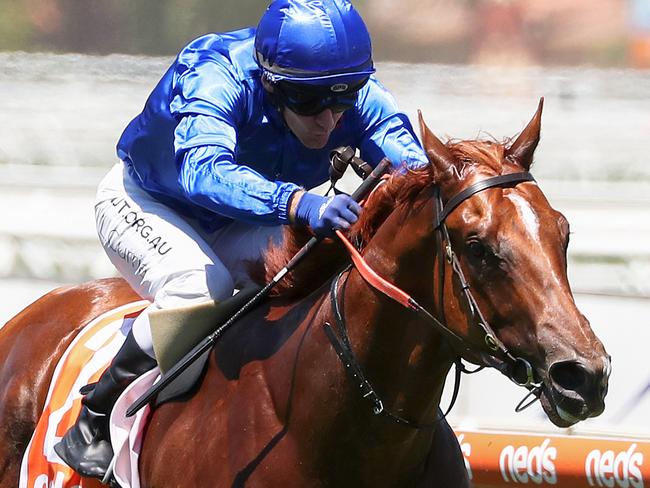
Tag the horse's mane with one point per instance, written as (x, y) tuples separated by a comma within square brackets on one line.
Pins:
[(399, 189)]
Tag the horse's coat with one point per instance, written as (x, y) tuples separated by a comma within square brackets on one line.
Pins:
[(275, 407)]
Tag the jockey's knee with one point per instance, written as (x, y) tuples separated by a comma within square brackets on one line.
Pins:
[(195, 286)]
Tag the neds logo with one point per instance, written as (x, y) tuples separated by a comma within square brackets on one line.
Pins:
[(522, 465), (608, 469)]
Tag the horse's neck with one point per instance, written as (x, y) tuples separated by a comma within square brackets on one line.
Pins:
[(405, 358)]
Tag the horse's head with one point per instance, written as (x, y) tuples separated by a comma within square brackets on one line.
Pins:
[(512, 245)]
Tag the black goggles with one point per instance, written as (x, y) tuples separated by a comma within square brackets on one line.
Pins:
[(305, 99)]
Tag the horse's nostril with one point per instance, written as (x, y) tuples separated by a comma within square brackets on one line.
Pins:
[(569, 375)]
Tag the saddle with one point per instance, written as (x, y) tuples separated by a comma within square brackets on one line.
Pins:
[(176, 331)]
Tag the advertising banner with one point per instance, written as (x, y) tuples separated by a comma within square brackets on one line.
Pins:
[(498, 459)]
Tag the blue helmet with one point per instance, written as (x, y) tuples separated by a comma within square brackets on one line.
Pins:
[(322, 42)]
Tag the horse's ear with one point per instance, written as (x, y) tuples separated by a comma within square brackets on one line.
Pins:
[(521, 151), (439, 156)]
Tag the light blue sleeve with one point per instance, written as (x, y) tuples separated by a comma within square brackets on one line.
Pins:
[(387, 131), (211, 102)]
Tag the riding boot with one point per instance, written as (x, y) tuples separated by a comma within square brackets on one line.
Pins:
[(86, 447)]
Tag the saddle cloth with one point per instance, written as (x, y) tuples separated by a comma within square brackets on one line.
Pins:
[(89, 354)]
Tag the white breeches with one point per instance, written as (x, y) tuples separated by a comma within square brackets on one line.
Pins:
[(168, 258)]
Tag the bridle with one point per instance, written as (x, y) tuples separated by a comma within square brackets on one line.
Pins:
[(518, 369), (492, 351)]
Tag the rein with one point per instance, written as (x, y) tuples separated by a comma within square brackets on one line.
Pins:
[(341, 343), (497, 355)]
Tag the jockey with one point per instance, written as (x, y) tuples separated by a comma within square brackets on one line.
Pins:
[(235, 132)]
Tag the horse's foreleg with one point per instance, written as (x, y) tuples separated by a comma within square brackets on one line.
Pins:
[(445, 466)]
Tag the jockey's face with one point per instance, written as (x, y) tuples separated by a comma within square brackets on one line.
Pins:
[(313, 131)]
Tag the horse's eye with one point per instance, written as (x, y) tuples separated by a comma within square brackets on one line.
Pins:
[(476, 248)]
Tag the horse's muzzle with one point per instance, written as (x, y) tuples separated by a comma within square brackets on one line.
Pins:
[(576, 391)]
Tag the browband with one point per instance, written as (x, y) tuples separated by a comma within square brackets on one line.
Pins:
[(477, 187)]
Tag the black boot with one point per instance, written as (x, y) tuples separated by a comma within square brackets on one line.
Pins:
[(86, 447)]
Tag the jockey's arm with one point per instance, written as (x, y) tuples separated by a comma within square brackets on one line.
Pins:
[(211, 178), (211, 104), (387, 132)]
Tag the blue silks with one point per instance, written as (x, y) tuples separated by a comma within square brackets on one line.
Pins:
[(210, 144)]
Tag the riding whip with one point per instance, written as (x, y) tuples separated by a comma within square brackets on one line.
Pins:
[(206, 344)]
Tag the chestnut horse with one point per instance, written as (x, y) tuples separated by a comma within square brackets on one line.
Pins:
[(276, 407)]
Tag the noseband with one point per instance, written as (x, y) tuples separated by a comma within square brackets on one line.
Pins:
[(492, 352)]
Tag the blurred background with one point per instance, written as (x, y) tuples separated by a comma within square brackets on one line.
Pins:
[(74, 72), (519, 32), (514, 32)]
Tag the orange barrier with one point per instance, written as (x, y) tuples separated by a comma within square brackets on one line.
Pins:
[(639, 51), (496, 459)]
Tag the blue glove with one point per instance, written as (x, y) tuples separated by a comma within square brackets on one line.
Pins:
[(326, 214)]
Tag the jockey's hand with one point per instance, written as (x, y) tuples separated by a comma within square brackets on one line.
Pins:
[(326, 214)]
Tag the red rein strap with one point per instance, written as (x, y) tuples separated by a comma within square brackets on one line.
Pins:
[(370, 275), (376, 281)]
